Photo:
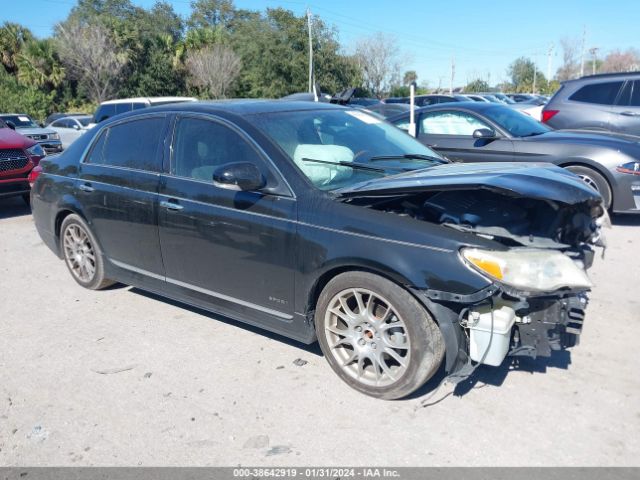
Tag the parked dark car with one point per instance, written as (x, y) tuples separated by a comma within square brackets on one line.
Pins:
[(424, 100), (18, 156), (321, 222), (482, 132), (606, 102)]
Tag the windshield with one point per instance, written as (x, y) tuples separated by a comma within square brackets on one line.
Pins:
[(515, 122), (84, 121), (338, 148), (20, 121)]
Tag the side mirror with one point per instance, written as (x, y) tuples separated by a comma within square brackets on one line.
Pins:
[(76, 126), (240, 176), (11, 125), (485, 133)]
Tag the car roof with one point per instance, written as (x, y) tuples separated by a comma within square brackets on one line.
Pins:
[(597, 76), (150, 100), (15, 115), (246, 106)]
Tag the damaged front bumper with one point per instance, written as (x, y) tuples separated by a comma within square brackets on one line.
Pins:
[(491, 324)]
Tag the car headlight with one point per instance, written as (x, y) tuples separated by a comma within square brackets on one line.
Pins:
[(54, 136), (528, 269), (36, 151), (631, 168)]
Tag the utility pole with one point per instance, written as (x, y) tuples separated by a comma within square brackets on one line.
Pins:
[(594, 55), (310, 51), (535, 74), (453, 74), (549, 52), (584, 41)]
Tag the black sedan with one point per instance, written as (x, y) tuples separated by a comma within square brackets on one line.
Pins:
[(321, 222), (483, 132)]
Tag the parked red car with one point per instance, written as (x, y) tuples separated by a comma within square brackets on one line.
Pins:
[(18, 156)]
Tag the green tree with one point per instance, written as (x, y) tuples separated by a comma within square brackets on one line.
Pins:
[(12, 39), (477, 85), (211, 13), (409, 77)]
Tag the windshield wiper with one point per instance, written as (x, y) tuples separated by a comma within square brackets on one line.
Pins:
[(409, 156), (354, 165)]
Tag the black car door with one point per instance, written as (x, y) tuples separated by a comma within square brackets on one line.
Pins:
[(235, 249), (117, 187), (450, 132)]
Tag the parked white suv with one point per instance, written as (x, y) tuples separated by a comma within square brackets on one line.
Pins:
[(114, 107)]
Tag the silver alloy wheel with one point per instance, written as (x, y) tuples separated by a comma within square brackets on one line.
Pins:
[(367, 337), (79, 253), (590, 181)]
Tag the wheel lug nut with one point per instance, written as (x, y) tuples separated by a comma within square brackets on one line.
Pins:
[(361, 342), (358, 328), (373, 344)]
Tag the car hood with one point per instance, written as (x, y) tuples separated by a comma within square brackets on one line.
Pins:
[(533, 180), (35, 131), (11, 139)]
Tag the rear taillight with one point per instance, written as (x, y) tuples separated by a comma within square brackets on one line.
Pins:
[(548, 115), (34, 174)]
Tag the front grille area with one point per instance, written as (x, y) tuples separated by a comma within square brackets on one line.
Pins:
[(11, 154), (37, 137), (12, 159)]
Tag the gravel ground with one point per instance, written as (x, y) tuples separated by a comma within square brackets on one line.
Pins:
[(121, 377)]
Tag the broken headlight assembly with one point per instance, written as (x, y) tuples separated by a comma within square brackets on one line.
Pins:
[(528, 269)]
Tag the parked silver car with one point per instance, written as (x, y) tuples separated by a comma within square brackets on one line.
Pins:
[(605, 102), (24, 124), (70, 128)]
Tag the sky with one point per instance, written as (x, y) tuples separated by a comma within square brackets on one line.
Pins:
[(483, 38)]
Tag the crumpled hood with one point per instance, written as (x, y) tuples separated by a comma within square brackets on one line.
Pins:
[(533, 180)]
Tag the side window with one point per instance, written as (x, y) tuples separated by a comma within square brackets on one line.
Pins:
[(635, 95), (450, 123), (599, 93), (135, 144), (57, 124), (104, 112), (630, 96), (138, 106), (95, 156), (201, 146)]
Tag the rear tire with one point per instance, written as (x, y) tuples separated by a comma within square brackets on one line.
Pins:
[(376, 336), (595, 180), (82, 254)]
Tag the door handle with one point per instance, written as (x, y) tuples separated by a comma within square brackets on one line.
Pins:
[(630, 114), (86, 187), (169, 205)]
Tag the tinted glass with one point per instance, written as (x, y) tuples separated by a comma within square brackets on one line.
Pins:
[(635, 95), (21, 121), (630, 95), (450, 123), (137, 106), (84, 121), (600, 93), (201, 146), (96, 154), (135, 144), (104, 112), (58, 123)]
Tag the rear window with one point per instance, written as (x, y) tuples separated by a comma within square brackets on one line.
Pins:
[(599, 93), (134, 144), (111, 109)]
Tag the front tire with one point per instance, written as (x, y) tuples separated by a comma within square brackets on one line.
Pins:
[(376, 336), (82, 254), (595, 180)]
